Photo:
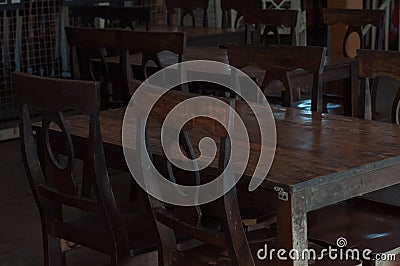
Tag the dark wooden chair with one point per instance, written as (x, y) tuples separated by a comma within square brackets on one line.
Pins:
[(89, 55), (268, 22), (278, 61), (187, 8), (172, 220), (225, 241), (114, 16), (374, 65), (356, 20), (238, 6), (98, 223), (363, 222), (88, 50)]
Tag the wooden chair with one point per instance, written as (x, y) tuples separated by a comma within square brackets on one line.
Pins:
[(272, 20), (114, 16), (187, 8), (355, 20), (238, 6), (278, 61), (373, 65), (360, 219), (88, 51), (88, 47), (98, 224), (169, 219)]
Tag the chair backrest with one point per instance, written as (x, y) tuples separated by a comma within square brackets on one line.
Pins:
[(278, 60), (89, 48), (238, 6), (372, 66), (88, 44), (355, 20), (272, 20), (172, 220), (114, 16), (51, 179), (187, 8)]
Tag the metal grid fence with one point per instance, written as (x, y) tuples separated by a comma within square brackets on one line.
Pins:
[(29, 39), (32, 41)]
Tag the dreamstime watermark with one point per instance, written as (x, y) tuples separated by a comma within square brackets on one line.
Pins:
[(152, 90), (340, 252)]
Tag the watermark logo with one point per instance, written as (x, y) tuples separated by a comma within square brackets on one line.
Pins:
[(170, 77), (339, 253), (341, 242)]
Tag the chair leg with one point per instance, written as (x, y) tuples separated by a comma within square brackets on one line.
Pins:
[(324, 105), (53, 256), (125, 261), (86, 181)]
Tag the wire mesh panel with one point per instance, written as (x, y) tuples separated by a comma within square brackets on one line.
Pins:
[(157, 11), (9, 22), (29, 38), (11, 4)]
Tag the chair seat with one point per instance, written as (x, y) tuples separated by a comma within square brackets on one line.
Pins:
[(210, 255), (253, 216), (364, 227), (90, 230)]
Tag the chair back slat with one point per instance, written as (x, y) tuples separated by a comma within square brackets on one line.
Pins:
[(187, 8), (278, 61), (355, 20), (272, 20), (84, 94), (55, 172), (126, 16), (238, 6), (89, 46), (278, 57), (153, 42)]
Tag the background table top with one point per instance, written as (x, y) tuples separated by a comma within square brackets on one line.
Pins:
[(215, 54), (192, 32)]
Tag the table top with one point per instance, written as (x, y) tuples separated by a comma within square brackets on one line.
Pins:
[(216, 54), (312, 148), (192, 32)]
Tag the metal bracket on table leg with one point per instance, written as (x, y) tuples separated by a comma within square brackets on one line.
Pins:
[(282, 195)]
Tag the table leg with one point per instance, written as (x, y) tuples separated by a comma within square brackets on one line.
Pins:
[(292, 228), (352, 92), (348, 102), (355, 90)]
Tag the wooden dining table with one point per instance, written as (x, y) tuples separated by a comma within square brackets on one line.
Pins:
[(320, 160), (335, 68)]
